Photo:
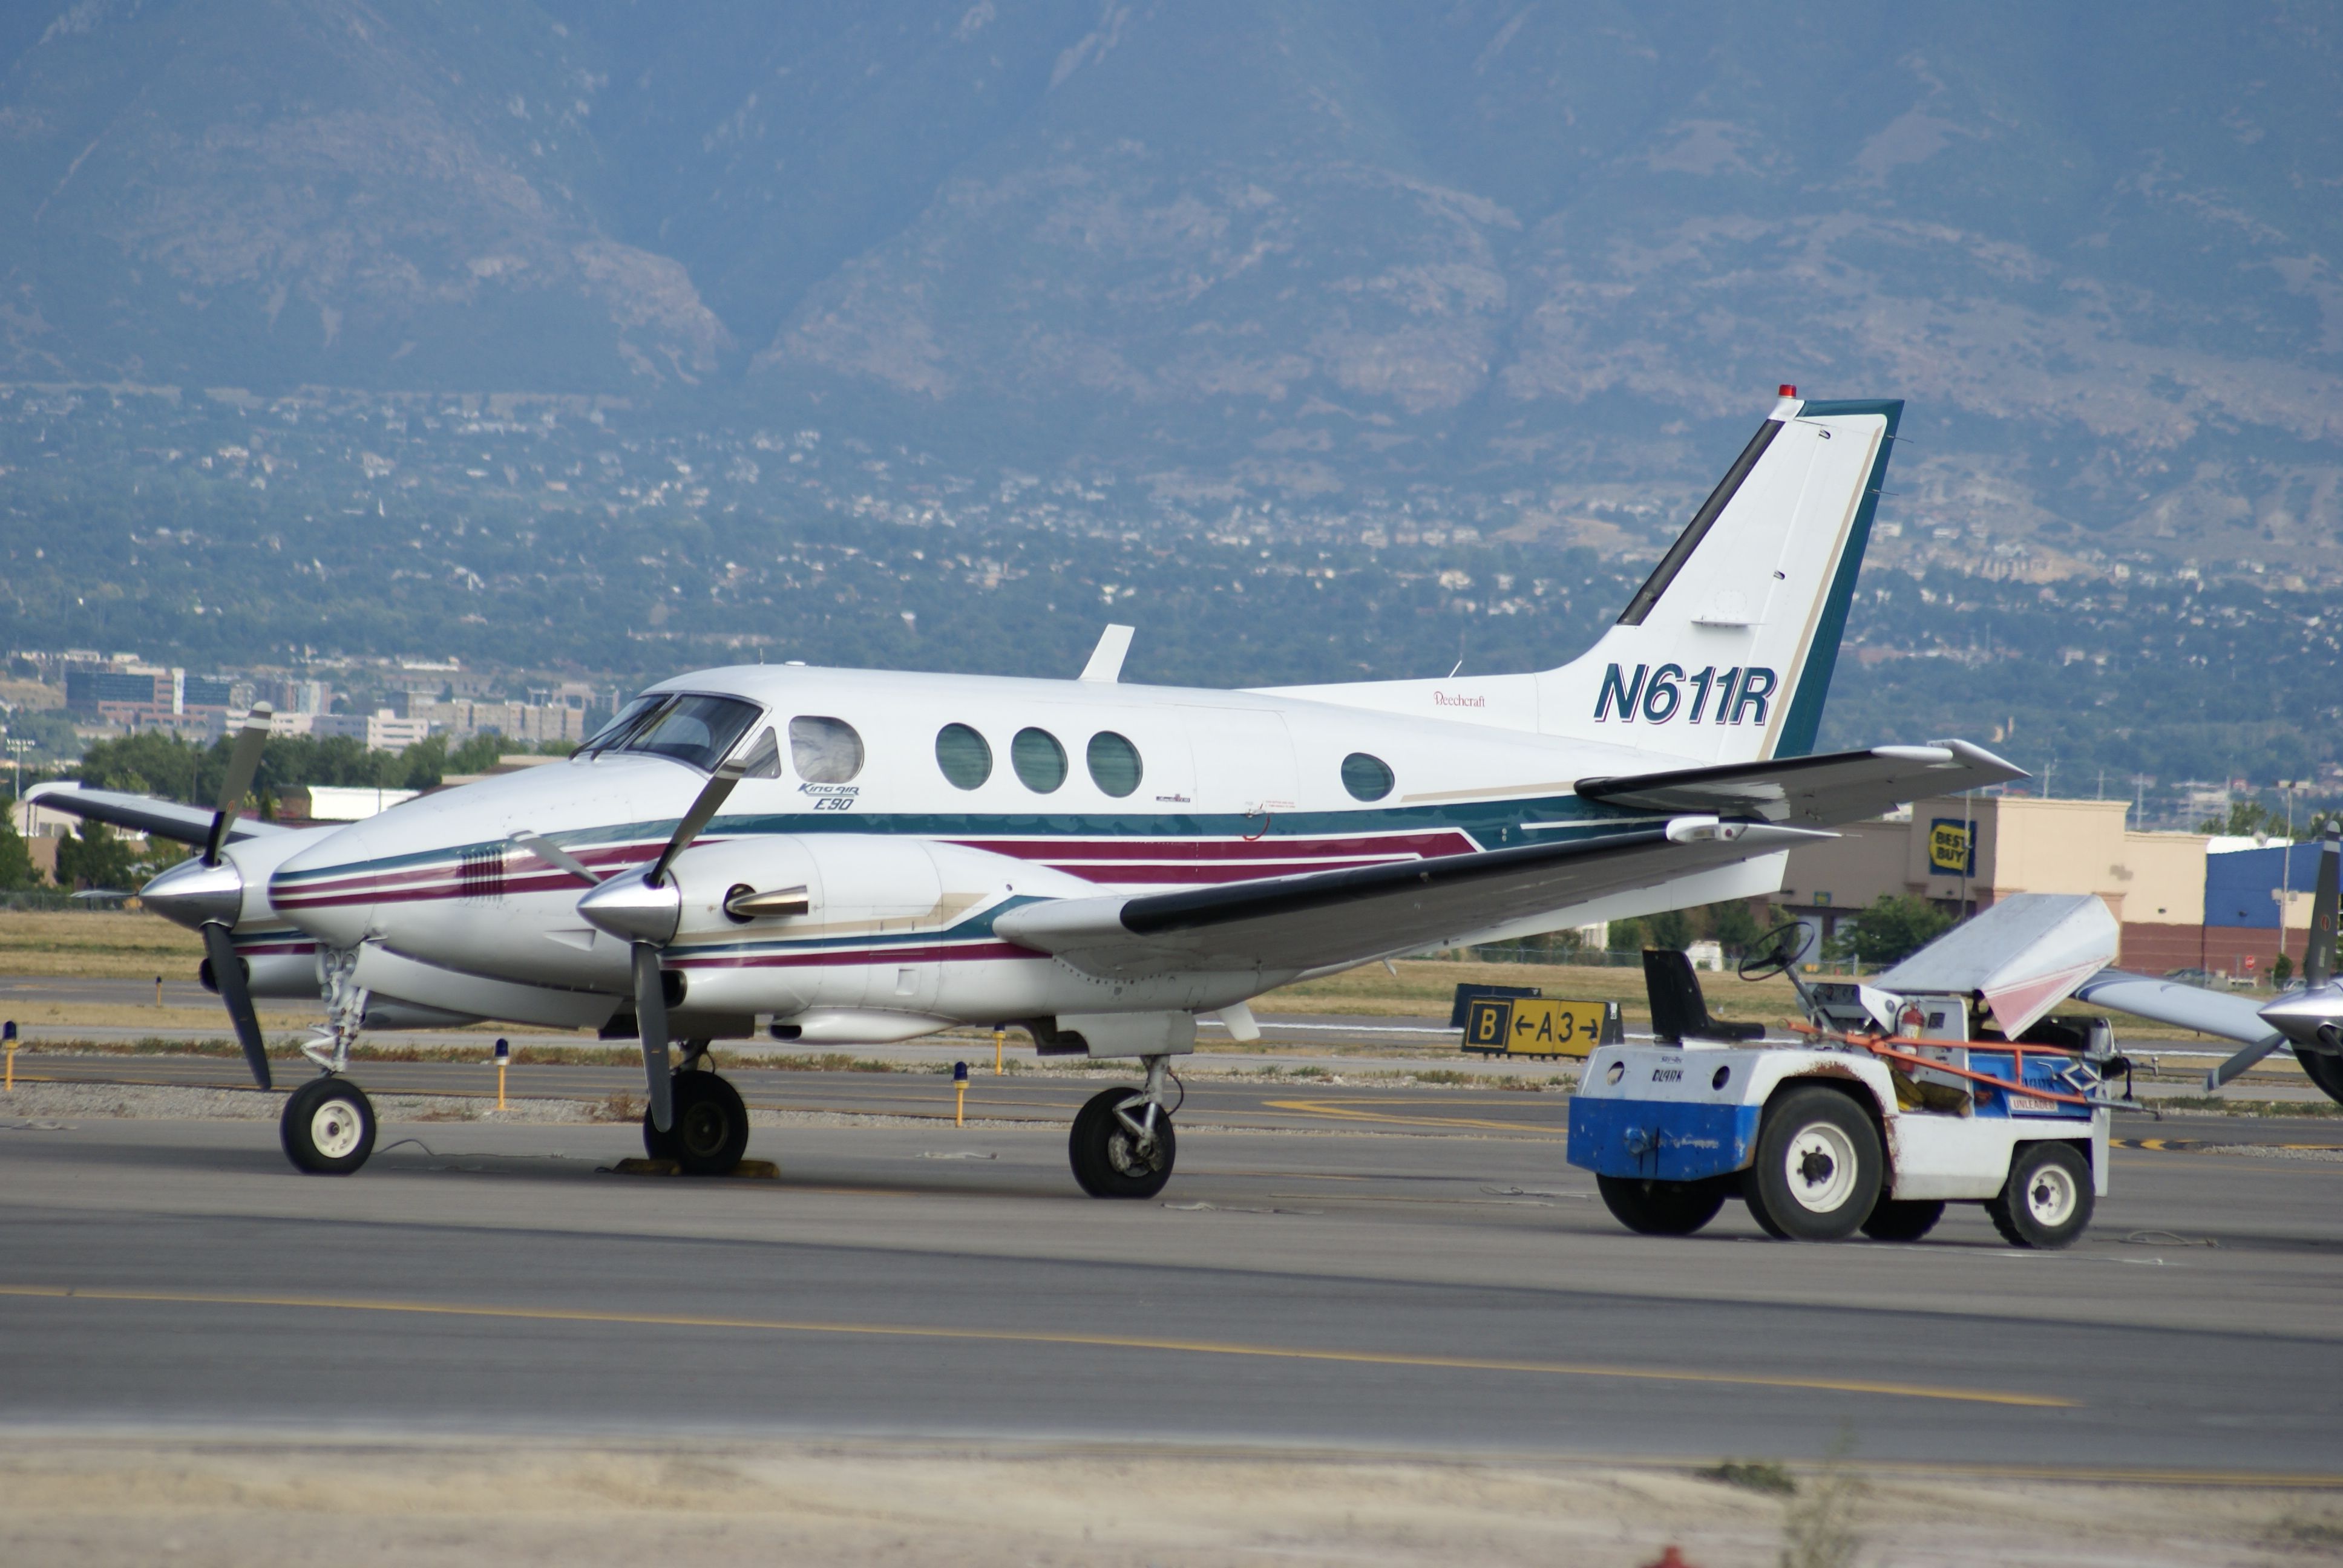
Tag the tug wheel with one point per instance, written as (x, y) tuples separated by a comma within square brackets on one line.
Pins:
[(1905, 1219), (2046, 1202), (1816, 1176), (1662, 1208)]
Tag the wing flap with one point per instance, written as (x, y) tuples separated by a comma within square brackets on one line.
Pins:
[(147, 814), (1817, 791), (1334, 918)]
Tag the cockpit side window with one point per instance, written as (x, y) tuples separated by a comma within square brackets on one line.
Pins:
[(825, 750), (691, 729)]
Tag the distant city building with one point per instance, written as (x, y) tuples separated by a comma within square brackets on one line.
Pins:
[(338, 803), (1965, 854)]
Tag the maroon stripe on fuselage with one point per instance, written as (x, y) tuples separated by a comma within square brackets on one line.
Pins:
[(970, 952)]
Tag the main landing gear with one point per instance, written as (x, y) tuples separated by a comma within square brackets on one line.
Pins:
[(710, 1130), (1122, 1144)]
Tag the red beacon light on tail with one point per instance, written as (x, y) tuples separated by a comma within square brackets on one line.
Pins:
[(1788, 390)]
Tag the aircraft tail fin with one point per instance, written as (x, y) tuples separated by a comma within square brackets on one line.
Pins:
[(1725, 653)]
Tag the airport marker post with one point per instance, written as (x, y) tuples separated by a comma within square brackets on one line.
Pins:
[(960, 1094), (1000, 1038), (158, 990), (504, 1054), (9, 1033)]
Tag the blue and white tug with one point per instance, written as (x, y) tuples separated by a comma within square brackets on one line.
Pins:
[(1942, 1080)]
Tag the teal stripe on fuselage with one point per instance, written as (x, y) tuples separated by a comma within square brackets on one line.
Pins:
[(1493, 825)]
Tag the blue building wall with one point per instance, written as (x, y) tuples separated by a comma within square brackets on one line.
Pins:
[(2240, 886)]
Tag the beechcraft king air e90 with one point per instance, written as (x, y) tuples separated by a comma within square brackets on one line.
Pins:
[(832, 856)]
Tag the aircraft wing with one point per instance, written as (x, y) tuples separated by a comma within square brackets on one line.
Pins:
[(2182, 1006), (1818, 791), (147, 814), (1328, 919)]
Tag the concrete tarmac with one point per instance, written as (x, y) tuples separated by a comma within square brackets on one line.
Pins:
[(1369, 1285)]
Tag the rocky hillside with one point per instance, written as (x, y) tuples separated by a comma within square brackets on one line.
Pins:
[(1310, 251)]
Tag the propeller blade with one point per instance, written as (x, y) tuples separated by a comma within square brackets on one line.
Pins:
[(2244, 1059), (650, 1018), (712, 798), (228, 970), (2319, 958), (555, 856), (243, 762)]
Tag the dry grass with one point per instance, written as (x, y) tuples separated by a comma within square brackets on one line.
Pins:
[(105, 944)]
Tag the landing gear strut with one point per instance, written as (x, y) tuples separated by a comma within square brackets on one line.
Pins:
[(328, 1125), (711, 1130), (1122, 1144)]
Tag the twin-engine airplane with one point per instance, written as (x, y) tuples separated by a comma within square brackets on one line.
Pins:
[(832, 856)]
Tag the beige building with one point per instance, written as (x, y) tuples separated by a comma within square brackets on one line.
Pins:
[(1964, 854)]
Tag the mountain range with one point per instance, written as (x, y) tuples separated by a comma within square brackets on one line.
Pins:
[(1316, 251)]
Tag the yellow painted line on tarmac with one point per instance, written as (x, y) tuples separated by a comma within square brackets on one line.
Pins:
[(1334, 1111), (1015, 1336)]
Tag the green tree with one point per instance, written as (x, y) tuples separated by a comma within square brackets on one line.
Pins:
[(16, 868), (95, 856), (1628, 936), (1892, 929), (1668, 929), (1732, 924), (2245, 819)]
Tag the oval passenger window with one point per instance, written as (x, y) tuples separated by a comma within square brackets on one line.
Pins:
[(963, 756), (1366, 778), (1114, 763), (825, 750), (1039, 760)]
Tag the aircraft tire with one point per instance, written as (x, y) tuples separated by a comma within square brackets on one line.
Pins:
[(327, 1127), (1662, 1208), (2046, 1202), (2326, 1072), (1107, 1161), (1903, 1220), (1818, 1172), (712, 1125)]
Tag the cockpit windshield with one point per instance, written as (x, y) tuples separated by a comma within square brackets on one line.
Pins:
[(697, 731)]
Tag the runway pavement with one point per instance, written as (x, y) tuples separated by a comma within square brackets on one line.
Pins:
[(1411, 1268)]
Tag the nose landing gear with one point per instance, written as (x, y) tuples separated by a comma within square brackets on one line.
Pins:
[(327, 1127), (1123, 1143)]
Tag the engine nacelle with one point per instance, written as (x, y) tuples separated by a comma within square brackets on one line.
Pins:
[(899, 926)]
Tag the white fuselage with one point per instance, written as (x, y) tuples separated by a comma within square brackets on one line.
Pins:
[(905, 869)]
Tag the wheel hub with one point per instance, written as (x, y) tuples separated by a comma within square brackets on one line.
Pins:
[(334, 1130), (2050, 1196), (1820, 1163)]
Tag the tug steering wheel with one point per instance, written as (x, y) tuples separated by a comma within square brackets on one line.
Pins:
[(1774, 952)]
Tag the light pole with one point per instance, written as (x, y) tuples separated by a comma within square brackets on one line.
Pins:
[(16, 749)]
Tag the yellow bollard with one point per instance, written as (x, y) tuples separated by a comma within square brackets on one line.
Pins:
[(504, 1051), (960, 1094), (8, 1032), (999, 1037)]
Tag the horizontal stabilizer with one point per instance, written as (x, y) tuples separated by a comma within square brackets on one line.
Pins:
[(147, 814), (1336, 918), (1818, 791)]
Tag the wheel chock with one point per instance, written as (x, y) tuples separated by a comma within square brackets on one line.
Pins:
[(747, 1170)]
